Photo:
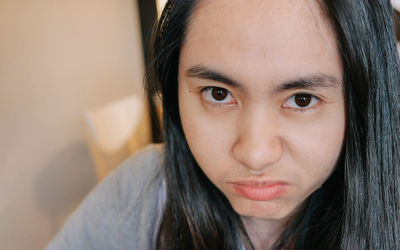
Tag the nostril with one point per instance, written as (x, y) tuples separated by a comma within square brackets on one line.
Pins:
[(258, 154)]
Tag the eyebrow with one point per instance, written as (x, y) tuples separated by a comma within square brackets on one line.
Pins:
[(205, 73), (313, 81)]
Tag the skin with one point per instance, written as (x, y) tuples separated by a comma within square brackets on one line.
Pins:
[(258, 132)]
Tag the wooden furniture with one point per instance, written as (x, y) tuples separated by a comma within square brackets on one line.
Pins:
[(117, 130)]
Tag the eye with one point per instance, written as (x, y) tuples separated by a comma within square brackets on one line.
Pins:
[(217, 95), (301, 101)]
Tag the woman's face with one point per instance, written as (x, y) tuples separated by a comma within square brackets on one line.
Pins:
[(261, 101)]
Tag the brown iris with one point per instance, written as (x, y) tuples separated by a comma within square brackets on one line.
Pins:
[(302, 100), (219, 94)]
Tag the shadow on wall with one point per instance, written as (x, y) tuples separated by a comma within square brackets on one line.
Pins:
[(63, 183)]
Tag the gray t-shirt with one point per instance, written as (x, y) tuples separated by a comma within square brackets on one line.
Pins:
[(123, 211)]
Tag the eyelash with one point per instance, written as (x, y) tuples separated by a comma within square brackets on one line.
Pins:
[(314, 101), (207, 95)]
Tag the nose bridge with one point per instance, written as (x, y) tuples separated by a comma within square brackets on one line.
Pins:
[(259, 142)]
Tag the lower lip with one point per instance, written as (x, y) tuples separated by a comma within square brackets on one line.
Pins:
[(261, 193)]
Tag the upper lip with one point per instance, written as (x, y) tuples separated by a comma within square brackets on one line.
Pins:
[(259, 183)]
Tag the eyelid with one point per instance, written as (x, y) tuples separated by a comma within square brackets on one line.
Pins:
[(207, 91), (315, 101)]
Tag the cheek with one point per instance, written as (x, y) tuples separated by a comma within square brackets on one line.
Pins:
[(208, 137), (201, 131), (317, 148), (207, 145)]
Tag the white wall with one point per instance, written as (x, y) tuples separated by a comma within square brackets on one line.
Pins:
[(57, 59)]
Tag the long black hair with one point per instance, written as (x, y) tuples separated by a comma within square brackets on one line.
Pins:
[(358, 206)]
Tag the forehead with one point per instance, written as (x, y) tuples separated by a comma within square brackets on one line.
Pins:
[(267, 39)]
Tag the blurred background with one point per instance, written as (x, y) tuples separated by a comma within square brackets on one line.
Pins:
[(71, 106)]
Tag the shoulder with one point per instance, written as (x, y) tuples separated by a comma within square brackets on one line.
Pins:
[(138, 183), (120, 213), (140, 172), (147, 162)]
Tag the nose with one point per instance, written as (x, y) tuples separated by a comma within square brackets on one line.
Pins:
[(259, 143)]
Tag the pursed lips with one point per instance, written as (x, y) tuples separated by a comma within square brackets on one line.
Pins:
[(260, 190)]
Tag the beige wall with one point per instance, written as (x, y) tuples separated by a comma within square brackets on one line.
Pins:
[(57, 59)]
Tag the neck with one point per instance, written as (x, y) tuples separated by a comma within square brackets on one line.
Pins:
[(263, 233)]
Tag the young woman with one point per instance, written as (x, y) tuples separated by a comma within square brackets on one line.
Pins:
[(281, 124)]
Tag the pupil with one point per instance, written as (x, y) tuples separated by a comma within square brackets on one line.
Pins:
[(303, 100), (219, 94)]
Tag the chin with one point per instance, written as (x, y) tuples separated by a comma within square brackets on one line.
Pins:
[(262, 210)]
